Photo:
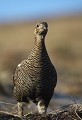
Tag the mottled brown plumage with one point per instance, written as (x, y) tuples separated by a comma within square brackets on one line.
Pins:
[(35, 78)]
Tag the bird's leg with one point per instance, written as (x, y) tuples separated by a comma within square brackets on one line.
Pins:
[(20, 109), (41, 107)]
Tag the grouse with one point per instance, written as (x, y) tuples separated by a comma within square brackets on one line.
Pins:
[(35, 78)]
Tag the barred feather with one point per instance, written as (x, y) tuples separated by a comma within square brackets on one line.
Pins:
[(35, 77)]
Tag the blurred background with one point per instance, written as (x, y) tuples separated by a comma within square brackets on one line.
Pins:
[(63, 42)]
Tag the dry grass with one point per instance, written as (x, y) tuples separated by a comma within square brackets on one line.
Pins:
[(69, 112)]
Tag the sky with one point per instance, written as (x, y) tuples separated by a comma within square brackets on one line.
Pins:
[(13, 10)]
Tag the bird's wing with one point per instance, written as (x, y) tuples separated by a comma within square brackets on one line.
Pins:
[(21, 71)]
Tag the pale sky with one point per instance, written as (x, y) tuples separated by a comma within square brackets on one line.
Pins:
[(12, 10)]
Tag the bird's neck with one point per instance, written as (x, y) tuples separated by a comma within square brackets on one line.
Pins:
[(39, 50), (40, 42)]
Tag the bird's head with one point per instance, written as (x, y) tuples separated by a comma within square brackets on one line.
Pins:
[(41, 29)]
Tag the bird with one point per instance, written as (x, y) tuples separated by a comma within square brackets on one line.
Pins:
[(35, 78)]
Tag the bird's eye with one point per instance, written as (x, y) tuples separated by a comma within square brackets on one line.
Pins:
[(37, 25)]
